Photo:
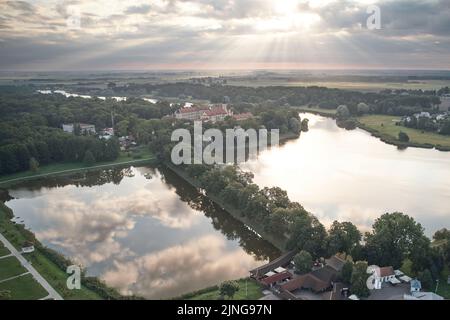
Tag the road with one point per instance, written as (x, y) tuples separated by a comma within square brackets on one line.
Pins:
[(52, 294)]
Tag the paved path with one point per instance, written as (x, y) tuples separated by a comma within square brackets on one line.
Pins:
[(52, 292), (7, 256), (15, 277)]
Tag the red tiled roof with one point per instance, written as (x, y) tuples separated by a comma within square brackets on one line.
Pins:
[(243, 116), (307, 281), (277, 277), (216, 112), (192, 109), (386, 271)]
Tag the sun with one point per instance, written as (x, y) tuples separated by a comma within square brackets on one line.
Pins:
[(286, 7)]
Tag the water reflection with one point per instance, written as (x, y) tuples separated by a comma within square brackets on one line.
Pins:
[(350, 175), (143, 230)]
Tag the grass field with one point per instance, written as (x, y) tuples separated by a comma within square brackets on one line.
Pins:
[(248, 290), (345, 85), (73, 167), (10, 267), (385, 125), (24, 288), (3, 250)]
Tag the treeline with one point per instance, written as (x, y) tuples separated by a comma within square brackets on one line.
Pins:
[(394, 238), (386, 102), (31, 134), (55, 148)]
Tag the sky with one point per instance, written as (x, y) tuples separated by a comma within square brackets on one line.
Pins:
[(57, 35)]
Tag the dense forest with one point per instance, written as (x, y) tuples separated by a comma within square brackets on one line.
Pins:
[(31, 134)]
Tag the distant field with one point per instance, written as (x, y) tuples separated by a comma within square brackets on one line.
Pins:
[(385, 125), (24, 288), (358, 86), (253, 292), (10, 267)]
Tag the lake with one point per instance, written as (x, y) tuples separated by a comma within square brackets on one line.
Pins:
[(351, 176), (143, 230)]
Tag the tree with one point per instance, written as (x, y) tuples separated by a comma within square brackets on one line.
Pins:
[(303, 262), (34, 164), (442, 234), (342, 112), (306, 233), (362, 108), (359, 279), (394, 237), (5, 295), (228, 288), (426, 279), (294, 125), (305, 125), (346, 272), (89, 158), (342, 237), (403, 137)]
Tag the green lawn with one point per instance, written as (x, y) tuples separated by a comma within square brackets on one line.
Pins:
[(3, 250), (385, 125), (24, 288), (10, 267), (253, 292), (137, 155)]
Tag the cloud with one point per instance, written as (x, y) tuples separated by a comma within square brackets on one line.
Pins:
[(179, 269), (137, 34), (142, 9)]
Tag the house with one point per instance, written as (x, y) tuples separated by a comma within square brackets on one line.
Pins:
[(276, 278), (281, 261), (216, 113), (27, 247), (319, 280), (445, 103), (242, 116), (335, 262), (416, 286), (190, 112), (84, 128), (380, 276)]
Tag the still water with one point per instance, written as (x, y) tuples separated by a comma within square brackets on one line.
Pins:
[(143, 230), (351, 176)]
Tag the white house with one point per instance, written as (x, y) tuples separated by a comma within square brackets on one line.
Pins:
[(380, 276), (84, 128)]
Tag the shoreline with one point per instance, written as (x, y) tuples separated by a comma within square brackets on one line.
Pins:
[(383, 137), (235, 213), (69, 172)]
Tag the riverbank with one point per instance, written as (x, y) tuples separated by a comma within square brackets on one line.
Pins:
[(51, 265), (65, 169), (249, 289), (237, 214), (384, 128)]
